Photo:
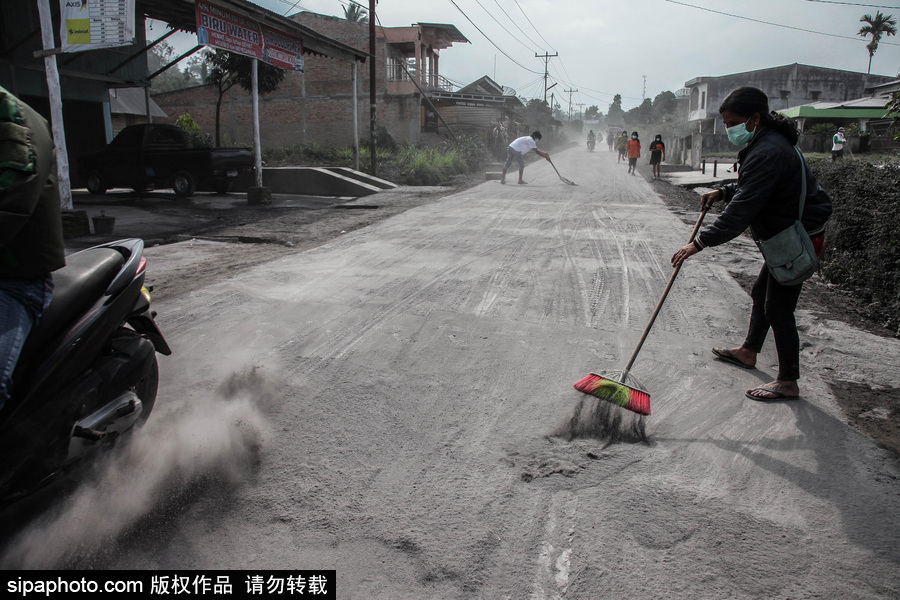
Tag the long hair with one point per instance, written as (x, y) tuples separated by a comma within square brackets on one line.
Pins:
[(745, 101)]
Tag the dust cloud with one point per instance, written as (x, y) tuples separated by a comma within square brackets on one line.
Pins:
[(599, 419), (217, 436)]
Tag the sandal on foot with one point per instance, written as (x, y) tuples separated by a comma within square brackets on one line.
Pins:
[(726, 355), (776, 395)]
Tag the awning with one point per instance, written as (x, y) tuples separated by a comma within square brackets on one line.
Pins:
[(859, 108), (180, 14)]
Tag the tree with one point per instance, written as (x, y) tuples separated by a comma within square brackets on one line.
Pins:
[(665, 108), (227, 69), (615, 115), (893, 112), (592, 113), (640, 116), (172, 78), (876, 26), (355, 13)]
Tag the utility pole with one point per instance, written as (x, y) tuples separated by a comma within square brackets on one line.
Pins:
[(546, 58), (580, 112), (372, 87), (570, 92), (644, 97)]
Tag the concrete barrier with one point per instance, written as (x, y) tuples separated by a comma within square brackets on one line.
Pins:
[(363, 177), (315, 181)]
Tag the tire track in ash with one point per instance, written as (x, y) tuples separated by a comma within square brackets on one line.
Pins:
[(615, 230), (593, 291), (338, 345), (500, 276)]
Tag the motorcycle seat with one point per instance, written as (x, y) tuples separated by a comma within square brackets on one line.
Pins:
[(76, 287)]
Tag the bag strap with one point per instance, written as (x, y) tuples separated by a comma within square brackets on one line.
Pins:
[(802, 182)]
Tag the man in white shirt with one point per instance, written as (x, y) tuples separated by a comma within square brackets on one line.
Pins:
[(517, 150), (837, 147)]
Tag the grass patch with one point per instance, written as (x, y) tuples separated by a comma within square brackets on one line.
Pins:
[(410, 165)]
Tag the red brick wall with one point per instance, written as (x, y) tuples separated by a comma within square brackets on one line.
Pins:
[(328, 101)]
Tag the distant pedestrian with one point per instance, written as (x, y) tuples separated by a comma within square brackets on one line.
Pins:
[(621, 142), (610, 139), (517, 150), (657, 155), (633, 147), (837, 144)]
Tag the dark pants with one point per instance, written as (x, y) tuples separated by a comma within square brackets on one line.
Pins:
[(773, 306)]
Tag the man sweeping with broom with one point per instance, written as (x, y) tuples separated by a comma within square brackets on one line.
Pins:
[(517, 150)]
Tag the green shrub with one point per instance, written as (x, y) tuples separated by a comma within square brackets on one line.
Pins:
[(195, 134), (406, 164), (862, 240)]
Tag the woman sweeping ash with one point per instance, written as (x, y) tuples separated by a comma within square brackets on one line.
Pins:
[(767, 197)]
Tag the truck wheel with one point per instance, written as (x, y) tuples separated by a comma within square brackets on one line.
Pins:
[(95, 183), (183, 184)]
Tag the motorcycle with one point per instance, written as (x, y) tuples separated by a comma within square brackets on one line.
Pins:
[(590, 145), (87, 374)]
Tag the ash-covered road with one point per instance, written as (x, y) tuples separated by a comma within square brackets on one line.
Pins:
[(398, 405)]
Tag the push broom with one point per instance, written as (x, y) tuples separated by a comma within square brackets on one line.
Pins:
[(563, 179), (622, 388)]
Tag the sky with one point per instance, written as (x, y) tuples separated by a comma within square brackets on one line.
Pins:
[(636, 48)]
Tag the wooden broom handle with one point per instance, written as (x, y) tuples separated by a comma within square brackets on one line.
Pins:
[(660, 303)]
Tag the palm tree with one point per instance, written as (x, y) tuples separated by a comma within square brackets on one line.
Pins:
[(876, 27), (355, 13)]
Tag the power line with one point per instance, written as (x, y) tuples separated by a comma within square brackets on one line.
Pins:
[(502, 27), (846, 37), (503, 52), (854, 4), (514, 23), (532, 25)]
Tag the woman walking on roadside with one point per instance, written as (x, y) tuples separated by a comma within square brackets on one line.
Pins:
[(766, 197), (633, 148)]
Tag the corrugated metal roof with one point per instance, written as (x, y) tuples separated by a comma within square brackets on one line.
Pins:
[(131, 101)]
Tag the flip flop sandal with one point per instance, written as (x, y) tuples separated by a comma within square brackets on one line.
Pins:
[(776, 395), (725, 355)]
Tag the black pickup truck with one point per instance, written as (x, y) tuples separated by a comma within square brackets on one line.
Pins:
[(155, 155)]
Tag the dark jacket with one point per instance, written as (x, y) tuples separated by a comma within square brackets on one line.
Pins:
[(31, 241), (766, 196)]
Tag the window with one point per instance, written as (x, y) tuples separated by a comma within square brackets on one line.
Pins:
[(166, 138), (815, 96), (395, 69), (703, 101), (785, 94)]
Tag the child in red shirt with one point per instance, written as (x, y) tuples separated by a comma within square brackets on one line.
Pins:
[(633, 147)]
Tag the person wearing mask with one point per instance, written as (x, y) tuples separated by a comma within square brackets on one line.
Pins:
[(766, 198), (517, 150), (591, 140), (657, 155), (621, 143), (633, 147), (610, 139), (31, 241)]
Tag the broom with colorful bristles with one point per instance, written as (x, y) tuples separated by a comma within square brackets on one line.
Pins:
[(622, 388)]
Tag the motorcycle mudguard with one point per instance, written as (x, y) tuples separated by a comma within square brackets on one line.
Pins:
[(145, 324)]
